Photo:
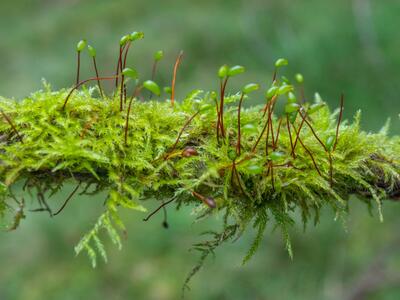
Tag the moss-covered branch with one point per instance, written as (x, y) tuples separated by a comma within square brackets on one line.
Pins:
[(85, 143), (255, 165)]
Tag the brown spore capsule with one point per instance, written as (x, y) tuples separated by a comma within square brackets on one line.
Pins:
[(210, 202), (189, 151)]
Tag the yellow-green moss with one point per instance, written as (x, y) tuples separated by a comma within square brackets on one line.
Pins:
[(85, 143)]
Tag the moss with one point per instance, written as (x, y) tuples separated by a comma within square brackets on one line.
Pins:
[(43, 146)]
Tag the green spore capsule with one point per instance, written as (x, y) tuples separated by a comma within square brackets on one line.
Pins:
[(271, 92), (152, 87), (81, 45), (291, 107), (284, 89), (92, 51), (168, 90), (136, 35), (235, 70), (299, 78), (223, 71), (281, 62), (251, 87), (158, 55), (131, 73), (124, 39)]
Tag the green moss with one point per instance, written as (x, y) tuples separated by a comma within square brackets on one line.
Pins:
[(86, 143)]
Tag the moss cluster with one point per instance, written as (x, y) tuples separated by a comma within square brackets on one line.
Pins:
[(47, 146), (254, 165)]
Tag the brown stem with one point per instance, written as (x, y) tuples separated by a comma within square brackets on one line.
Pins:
[(180, 133), (78, 67), (271, 125), (277, 133), (123, 86), (267, 138), (8, 119), (290, 136), (121, 94), (260, 136), (42, 201), (158, 208), (311, 156), (125, 94), (218, 115), (67, 200), (313, 131), (97, 75), (126, 54), (262, 132), (272, 133), (239, 137), (221, 107), (267, 104), (119, 64), (82, 83), (339, 120), (217, 127), (330, 169), (177, 63), (297, 136)]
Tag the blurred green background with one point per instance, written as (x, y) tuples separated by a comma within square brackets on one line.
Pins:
[(350, 46)]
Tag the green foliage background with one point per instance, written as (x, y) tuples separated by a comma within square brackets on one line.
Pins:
[(348, 46)]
